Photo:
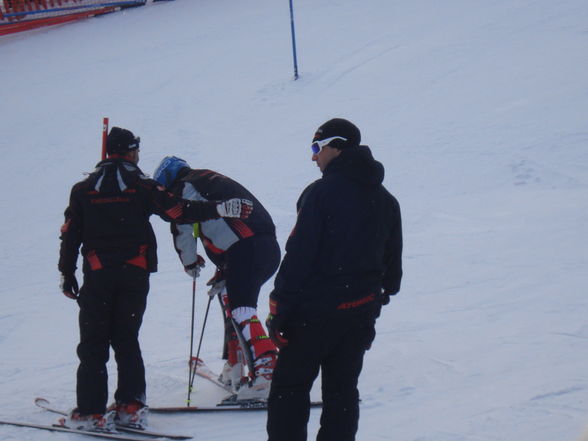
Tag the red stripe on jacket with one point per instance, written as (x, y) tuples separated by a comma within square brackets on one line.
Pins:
[(93, 260), (242, 228), (175, 211)]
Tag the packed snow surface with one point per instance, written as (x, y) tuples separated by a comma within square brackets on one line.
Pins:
[(477, 109)]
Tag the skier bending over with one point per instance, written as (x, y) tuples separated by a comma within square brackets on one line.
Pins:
[(246, 255)]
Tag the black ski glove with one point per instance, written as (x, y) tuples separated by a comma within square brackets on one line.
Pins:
[(216, 283), (193, 270), (275, 323), (385, 296), (69, 286), (219, 276)]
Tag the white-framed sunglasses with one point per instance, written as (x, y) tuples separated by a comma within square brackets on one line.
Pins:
[(318, 145), (134, 144)]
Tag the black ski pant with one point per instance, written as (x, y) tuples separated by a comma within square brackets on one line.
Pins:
[(112, 302), (249, 264), (336, 345)]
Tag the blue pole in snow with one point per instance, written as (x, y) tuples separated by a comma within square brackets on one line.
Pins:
[(293, 40)]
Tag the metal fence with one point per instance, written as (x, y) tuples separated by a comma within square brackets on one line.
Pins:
[(22, 15)]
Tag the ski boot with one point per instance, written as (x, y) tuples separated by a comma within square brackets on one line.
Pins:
[(97, 422), (232, 375), (133, 414), (258, 388), (261, 354)]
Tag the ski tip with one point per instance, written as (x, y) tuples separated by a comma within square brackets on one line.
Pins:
[(40, 401)]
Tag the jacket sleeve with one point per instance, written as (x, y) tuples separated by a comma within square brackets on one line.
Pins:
[(185, 243), (184, 240), (172, 208), (393, 254), (302, 249), (71, 236)]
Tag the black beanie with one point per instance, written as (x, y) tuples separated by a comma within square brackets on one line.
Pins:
[(339, 127), (121, 141)]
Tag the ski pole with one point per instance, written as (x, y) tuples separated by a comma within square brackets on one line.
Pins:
[(203, 326), (194, 361), (191, 339)]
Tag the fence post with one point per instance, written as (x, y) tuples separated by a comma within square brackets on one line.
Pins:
[(104, 136)]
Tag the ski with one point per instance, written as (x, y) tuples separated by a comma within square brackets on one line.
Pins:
[(57, 428), (46, 405), (203, 371), (150, 433), (248, 405)]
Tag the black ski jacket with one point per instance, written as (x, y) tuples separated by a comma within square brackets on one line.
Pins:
[(346, 245), (108, 214), (217, 235)]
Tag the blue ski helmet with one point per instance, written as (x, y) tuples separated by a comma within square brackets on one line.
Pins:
[(168, 169)]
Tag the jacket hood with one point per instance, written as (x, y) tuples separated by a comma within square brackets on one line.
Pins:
[(358, 164), (117, 160)]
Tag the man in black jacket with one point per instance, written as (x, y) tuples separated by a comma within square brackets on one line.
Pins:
[(342, 262), (246, 254), (108, 216)]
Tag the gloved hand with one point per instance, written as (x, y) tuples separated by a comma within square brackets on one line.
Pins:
[(193, 270), (275, 323), (385, 296), (217, 283), (69, 286), (236, 207)]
